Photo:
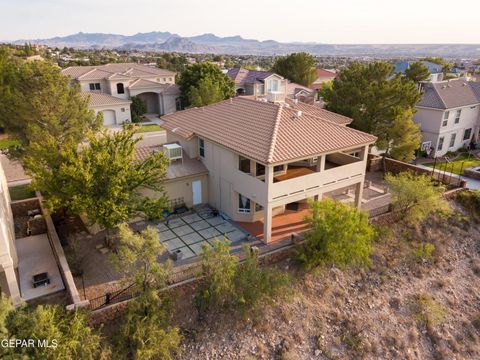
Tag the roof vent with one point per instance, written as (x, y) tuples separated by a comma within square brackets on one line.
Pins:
[(299, 113)]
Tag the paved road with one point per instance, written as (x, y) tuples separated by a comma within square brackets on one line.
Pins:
[(152, 138), (471, 183)]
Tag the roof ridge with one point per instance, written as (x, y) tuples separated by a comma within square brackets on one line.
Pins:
[(274, 134), (85, 73)]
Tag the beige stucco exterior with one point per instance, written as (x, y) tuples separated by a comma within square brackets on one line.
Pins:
[(226, 182), (121, 113), (8, 253)]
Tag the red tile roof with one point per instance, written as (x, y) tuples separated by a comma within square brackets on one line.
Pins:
[(266, 132)]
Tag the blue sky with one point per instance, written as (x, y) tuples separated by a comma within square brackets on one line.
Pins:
[(338, 21)]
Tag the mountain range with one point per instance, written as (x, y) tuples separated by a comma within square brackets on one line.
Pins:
[(237, 45)]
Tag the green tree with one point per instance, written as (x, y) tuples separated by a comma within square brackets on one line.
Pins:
[(227, 283), (340, 235), (146, 331), (415, 197), (104, 178), (137, 108), (74, 338), (206, 93), (255, 286), (204, 73), (297, 67), (403, 137), (377, 101), (216, 286), (137, 258), (40, 105), (417, 72)]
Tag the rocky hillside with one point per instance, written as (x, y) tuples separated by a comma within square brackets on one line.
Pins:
[(402, 308)]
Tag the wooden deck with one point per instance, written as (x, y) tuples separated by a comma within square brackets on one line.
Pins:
[(283, 225)]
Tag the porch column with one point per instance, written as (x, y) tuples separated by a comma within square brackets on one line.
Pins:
[(12, 284), (321, 163), (358, 194), (364, 153), (267, 223)]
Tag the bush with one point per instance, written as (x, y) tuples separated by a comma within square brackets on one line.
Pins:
[(416, 196), (427, 311), (340, 235), (424, 253), (471, 201), (241, 286)]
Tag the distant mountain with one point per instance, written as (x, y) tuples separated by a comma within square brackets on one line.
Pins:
[(236, 45)]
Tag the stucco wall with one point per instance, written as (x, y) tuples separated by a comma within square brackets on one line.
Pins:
[(182, 187), (120, 116)]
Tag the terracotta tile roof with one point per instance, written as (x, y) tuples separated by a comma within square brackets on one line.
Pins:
[(319, 112), (325, 73), (266, 132), (449, 94), (122, 69), (97, 99), (294, 88), (143, 83)]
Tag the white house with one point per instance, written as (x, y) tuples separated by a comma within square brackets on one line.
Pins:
[(111, 87), (449, 115)]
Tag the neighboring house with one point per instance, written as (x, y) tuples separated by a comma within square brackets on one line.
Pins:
[(156, 87), (253, 158), (8, 253), (449, 115), (115, 110), (323, 76), (259, 83), (301, 93), (436, 70)]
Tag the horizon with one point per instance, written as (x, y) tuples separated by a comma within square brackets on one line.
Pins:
[(346, 22)]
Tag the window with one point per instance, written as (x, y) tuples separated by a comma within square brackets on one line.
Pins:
[(170, 79), (446, 115), (244, 164), (201, 147), (260, 169), (243, 204), (445, 123), (467, 134), (120, 89), (472, 107), (94, 86), (273, 85), (258, 207), (440, 143), (164, 79), (457, 116), (452, 140), (122, 109)]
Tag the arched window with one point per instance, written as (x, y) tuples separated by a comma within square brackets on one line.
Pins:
[(120, 89)]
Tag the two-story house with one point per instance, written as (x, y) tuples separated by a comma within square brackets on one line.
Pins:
[(111, 87), (257, 157), (449, 115)]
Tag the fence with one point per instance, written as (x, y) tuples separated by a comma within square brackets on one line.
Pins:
[(177, 278)]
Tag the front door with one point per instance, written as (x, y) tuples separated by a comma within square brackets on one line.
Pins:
[(197, 192)]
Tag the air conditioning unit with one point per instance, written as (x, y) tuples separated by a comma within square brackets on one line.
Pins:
[(173, 151)]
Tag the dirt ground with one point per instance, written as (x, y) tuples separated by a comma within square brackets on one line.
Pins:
[(401, 308)]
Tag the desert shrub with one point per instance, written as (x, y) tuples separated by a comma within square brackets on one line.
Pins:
[(471, 201), (146, 332), (255, 285), (424, 253), (70, 330), (415, 197), (225, 282), (427, 311), (340, 235)]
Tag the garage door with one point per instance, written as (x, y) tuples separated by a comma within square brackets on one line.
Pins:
[(108, 117)]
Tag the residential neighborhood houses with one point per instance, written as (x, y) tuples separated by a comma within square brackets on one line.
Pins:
[(321, 213), (110, 88)]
